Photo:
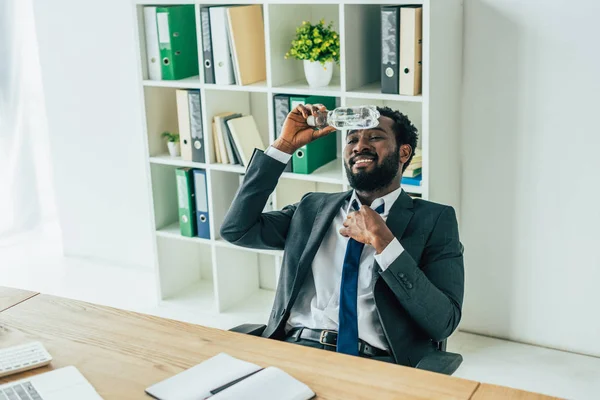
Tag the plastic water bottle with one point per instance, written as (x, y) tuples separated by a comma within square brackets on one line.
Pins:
[(361, 117)]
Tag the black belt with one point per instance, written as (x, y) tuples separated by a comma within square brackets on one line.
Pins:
[(329, 339)]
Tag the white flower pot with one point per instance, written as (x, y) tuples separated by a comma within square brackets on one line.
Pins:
[(174, 149), (317, 74)]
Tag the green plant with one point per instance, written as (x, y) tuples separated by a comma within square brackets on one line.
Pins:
[(315, 43), (171, 137)]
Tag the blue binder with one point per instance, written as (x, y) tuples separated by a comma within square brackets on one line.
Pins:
[(201, 191)]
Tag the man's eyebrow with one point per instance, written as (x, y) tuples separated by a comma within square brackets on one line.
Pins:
[(377, 128)]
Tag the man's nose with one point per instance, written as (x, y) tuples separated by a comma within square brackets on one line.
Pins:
[(362, 145)]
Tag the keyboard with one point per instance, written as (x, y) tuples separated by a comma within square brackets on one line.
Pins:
[(22, 358), (20, 391)]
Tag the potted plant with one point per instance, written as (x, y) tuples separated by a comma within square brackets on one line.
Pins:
[(319, 47), (172, 143)]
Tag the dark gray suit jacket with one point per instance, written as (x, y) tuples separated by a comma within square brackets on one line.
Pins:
[(418, 297)]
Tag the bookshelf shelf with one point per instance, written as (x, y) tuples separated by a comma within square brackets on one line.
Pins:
[(301, 87), (198, 297), (328, 173), (228, 168), (223, 243), (166, 159), (373, 91), (187, 83), (172, 231), (234, 284), (255, 87)]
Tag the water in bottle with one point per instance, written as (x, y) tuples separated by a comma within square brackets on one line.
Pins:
[(360, 117)]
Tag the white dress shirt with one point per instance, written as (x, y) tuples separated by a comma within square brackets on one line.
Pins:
[(317, 305)]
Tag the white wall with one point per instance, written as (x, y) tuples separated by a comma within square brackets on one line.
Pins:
[(530, 181), (93, 105)]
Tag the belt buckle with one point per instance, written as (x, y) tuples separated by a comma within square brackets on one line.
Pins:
[(322, 337)]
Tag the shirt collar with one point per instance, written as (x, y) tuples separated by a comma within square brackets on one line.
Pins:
[(387, 201)]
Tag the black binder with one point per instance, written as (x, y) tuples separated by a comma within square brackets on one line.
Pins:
[(390, 49), (281, 109), (196, 126), (209, 70)]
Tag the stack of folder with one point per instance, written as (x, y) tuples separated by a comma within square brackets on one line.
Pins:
[(235, 137), (233, 42), (171, 43), (401, 49), (412, 174), (192, 195), (315, 154)]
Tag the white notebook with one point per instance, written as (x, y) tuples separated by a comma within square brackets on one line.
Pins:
[(206, 380)]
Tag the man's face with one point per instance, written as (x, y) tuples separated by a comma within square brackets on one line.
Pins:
[(372, 158)]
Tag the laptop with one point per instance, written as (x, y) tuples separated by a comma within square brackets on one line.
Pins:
[(61, 384)]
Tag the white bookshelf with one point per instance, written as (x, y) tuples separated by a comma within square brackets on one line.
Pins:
[(216, 277)]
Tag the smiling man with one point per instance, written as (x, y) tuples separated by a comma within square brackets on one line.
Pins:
[(369, 272)]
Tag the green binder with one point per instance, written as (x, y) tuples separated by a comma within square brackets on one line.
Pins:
[(177, 41), (318, 153), (186, 201)]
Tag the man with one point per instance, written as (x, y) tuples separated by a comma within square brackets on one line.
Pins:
[(370, 272)]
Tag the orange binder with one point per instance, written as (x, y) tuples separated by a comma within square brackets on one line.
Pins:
[(411, 50), (247, 37)]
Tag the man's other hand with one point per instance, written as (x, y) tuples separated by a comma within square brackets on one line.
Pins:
[(367, 226), (296, 132)]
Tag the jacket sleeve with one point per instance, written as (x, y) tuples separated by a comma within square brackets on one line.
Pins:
[(433, 293), (245, 224)]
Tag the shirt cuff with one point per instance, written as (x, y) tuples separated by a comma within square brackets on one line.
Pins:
[(389, 254), (278, 154)]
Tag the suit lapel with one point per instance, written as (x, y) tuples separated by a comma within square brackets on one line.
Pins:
[(400, 215)]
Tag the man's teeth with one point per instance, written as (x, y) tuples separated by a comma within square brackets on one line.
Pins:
[(363, 161)]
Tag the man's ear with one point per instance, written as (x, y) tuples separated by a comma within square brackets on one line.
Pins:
[(405, 153)]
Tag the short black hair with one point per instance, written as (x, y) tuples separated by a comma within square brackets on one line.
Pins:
[(405, 131)]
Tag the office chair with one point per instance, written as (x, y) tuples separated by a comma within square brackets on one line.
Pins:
[(441, 361)]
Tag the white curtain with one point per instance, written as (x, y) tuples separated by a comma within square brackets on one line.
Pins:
[(26, 195)]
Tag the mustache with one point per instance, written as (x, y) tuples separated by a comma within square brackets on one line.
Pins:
[(368, 154)]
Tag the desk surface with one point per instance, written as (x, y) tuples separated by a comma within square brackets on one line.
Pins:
[(121, 353), (494, 392), (10, 297)]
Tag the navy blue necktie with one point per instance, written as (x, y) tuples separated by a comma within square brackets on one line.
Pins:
[(347, 341)]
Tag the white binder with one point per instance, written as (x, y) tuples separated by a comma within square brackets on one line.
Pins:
[(183, 117), (152, 49), (219, 29)]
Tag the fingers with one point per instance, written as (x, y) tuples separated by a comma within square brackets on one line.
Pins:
[(365, 209), (308, 109), (345, 232), (324, 131), (302, 110), (316, 108)]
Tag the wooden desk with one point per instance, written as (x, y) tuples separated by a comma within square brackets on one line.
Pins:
[(494, 392), (121, 353), (10, 297)]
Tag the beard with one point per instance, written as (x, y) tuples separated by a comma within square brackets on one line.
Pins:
[(380, 177)]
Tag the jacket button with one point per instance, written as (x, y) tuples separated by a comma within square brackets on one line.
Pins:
[(401, 275), (409, 285), (282, 312)]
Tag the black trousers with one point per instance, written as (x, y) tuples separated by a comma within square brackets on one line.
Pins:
[(316, 345)]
